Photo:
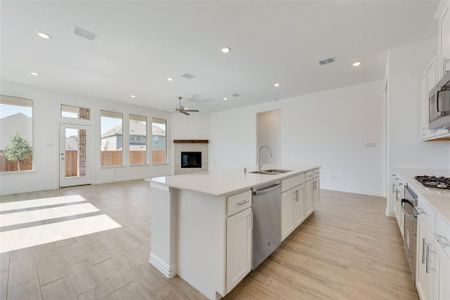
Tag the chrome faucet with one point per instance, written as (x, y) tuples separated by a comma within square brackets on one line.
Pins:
[(260, 165)]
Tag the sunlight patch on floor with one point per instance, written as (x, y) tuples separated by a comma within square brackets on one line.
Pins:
[(47, 233), (30, 216), (25, 204)]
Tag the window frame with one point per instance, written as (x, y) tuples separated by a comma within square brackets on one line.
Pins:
[(100, 144), (147, 152), (75, 119), (33, 166), (166, 162)]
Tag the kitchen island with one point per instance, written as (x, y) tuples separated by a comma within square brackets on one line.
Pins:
[(202, 223)]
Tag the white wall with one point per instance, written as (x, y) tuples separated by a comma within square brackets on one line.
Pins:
[(268, 130), (194, 127), (406, 149), (341, 129), (46, 119)]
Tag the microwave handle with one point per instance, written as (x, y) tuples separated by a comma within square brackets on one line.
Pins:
[(437, 101)]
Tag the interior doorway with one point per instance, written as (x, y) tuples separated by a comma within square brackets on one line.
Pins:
[(268, 132)]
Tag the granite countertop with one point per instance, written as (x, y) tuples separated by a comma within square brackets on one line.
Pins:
[(439, 199), (220, 182)]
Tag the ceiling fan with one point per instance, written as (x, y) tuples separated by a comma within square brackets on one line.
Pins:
[(183, 109)]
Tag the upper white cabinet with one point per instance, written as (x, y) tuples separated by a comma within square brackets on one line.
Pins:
[(444, 37)]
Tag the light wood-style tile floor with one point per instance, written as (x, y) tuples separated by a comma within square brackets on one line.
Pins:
[(347, 250)]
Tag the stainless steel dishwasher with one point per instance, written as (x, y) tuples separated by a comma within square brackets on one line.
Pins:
[(266, 221)]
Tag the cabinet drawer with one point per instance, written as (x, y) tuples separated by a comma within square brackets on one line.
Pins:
[(316, 173), (309, 175), (443, 234), (426, 212), (239, 202), (291, 182)]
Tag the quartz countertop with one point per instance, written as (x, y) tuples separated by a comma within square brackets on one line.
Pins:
[(439, 199), (220, 182)]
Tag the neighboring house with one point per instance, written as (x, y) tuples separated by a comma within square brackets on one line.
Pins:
[(113, 139), (13, 124)]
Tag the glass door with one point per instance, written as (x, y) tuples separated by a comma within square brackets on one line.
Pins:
[(75, 161)]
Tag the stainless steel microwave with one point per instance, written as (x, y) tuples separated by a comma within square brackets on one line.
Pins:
[(439, 104)]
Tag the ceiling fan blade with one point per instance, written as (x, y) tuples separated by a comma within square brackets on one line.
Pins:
[(192, 110), (184, 112)]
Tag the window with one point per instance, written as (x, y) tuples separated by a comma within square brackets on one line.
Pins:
[(112, 139), (137, 140), (16, 134), (159, 141), (75, 112)]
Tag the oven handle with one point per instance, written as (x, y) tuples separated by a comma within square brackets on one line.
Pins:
[(402, 203)]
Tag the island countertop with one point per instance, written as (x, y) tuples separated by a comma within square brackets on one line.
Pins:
[(220, 182)]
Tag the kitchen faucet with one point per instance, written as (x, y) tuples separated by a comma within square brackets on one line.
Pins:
[(260, 165)]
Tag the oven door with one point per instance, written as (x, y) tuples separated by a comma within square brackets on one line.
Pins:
[(410, 231)]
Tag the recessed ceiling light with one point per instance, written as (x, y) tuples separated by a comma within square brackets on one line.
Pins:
[(133, 96), (226, 50), (356, 63), (34, 73), (170, 78), (44, 35), (276, 84), (225, 98)]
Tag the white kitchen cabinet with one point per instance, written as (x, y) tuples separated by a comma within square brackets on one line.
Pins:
[(444, 274), (426, 278), (316, 192), (444, 38), (309, 207), (298, 205), (239, 247), (287, 208), (424, 107)]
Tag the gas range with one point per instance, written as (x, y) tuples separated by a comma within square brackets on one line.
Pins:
[(435, 182)]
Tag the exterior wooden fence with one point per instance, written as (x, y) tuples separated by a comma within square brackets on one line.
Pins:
[(115, 158), (71, 163), (12, 165)]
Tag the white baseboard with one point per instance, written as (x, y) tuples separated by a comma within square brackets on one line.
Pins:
[(162, 266)]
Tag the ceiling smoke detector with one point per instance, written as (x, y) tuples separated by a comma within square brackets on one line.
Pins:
[(327, 61), (84, 33)]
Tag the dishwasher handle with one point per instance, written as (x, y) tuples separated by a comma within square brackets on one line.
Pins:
[(266, 190)]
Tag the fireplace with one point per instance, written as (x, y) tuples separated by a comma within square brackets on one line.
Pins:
[(191, 159)]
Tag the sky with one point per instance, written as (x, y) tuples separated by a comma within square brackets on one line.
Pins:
[(8, 110)]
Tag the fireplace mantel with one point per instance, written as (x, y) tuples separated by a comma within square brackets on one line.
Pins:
[(190, 141)]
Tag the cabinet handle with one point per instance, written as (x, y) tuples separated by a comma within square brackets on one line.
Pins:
[(445, 61), (423, 251), (427, 258), (243, 202)]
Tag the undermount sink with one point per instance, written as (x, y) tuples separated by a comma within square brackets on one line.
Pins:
[(271, 172)]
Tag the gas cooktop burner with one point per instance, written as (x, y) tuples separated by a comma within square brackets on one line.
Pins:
[(435, 182)]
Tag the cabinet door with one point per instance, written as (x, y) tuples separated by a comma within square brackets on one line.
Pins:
[(424, 107), (444, 275), (287, 216), (309, 197), (299, 205), (426, 262), (239, 247), (316, 192), (445, 40)]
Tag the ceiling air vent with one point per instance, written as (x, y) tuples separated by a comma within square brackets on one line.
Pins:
[(328, 60), (84, 33), (235, 95), (188, 76)]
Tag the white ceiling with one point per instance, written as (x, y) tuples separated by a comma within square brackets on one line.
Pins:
[(140, 44)]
